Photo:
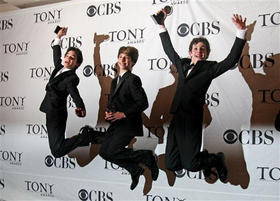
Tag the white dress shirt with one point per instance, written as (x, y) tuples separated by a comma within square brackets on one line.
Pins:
[(120, 75)]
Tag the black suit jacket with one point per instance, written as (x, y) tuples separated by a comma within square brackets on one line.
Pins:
[(190, 94), (130, 98), (59, 87)]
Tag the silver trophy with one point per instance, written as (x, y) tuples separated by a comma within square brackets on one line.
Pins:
[(158, 18)]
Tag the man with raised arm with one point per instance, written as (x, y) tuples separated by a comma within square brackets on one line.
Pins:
[(183, 149), (63, 82)]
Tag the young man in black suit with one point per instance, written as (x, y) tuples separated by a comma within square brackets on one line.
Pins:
[(64, 81), (195, 76), (126, 103)]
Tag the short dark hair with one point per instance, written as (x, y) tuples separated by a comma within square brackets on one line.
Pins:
[(202, 40), (132, 52), (78, 53)]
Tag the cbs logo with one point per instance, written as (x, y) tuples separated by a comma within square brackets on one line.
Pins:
[(88, 70), (199, 28), (95, 195), (104, 9), (249, 137)]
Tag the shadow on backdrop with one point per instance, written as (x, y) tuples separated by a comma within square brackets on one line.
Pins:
[(265, 90), (105, 83)]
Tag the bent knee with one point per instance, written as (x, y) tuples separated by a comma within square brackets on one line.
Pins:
[(104, 153), (57, 153)]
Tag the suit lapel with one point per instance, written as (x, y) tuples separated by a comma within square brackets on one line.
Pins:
[(117, 87), (60, 76), (195, 70), (113, 87), (55, 71)]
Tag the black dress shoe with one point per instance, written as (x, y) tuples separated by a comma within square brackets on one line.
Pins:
[(86, 129), (135, 179), (85, 135), (154, 168), (208, 173), (221, 167)]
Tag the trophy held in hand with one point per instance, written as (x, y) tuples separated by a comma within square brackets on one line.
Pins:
[(158, 18)]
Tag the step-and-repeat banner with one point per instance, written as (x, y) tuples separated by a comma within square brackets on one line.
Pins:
[(240, 106)]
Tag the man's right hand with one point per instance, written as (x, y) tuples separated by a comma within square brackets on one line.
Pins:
[(80, 112), (62, 32), (165, 15)]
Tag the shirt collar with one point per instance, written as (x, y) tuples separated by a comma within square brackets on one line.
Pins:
[(121, 74)]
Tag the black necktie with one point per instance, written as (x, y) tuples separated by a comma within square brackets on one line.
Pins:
[(119, 79), (118, 82)]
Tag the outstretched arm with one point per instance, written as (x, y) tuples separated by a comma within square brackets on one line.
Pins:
[(57, 49), (167, 45), (98, 70), (236, 50)]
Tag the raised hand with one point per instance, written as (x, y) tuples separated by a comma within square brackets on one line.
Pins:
[(62, 32), (80, 112), (238, 21), (97, 39), (164, 16)]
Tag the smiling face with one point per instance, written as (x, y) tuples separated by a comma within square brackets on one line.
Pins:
[(199, 49), (125, 62), (70, 60), (198, 52), (127, 58)]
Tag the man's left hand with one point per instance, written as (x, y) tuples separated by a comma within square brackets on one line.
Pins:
[(239, 22), (114, 116), (80, 112)]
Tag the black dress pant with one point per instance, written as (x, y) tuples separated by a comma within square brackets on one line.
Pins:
[(56, 126), (114, 150), (184, 142)]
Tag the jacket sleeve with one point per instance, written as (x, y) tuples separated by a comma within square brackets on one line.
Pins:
[(169, 50), (57, 56), (72, 89), (139, 96), (230, 61)]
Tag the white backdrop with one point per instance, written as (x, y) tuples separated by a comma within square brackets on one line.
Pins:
[(240, 109)]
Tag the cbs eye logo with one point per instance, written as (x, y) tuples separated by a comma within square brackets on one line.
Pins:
[(183, 30), (91, 11), (88, 70), (180, 173), (49, 161), (83, 195), (230, 136)]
